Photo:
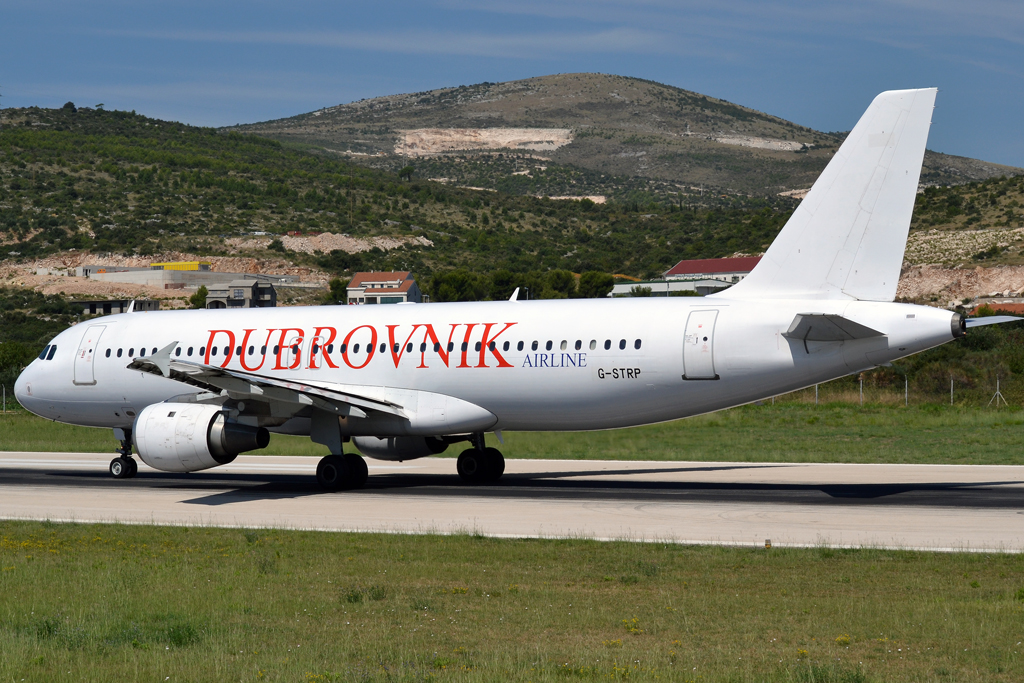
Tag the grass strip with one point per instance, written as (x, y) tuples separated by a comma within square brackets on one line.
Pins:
[(109, 602), (790, 431)]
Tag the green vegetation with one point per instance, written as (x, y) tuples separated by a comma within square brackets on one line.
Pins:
[(105, 602), (118, 182), (792, 430)]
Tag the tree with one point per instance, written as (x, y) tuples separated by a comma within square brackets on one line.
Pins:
[(640, 290), (70, 106), (562, 283), (595, 285), (198, 300), (338, 293), (459, 285), (405, 173)]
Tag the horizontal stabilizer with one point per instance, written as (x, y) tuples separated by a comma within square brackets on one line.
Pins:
[(991, 320), (825, 327)]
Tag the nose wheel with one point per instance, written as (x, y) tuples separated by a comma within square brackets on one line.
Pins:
[(123, 467)]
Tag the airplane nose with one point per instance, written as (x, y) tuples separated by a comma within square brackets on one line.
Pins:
[(23, 388)]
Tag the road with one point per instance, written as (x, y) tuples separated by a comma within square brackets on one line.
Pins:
[(939, 507)]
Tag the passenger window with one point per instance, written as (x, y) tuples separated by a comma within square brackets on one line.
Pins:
[(504, 347), (384, 347), (315, 348), (263, 350), (154, 350), (238, 351), (396, 348), (477, 347), (636, 344), (187, 353), (142, 353), (622, 344), (202, 350), (177, 351), (227, 350), (295, 348), (579, 344), (251, 349), (330, 348), (408, 347), (607, 344), (437, 347), (593, 344), (564, 345), (423, 347), (108, 353), (533, 346), (277, 349), (519, 346), (355, 348), (547, 347), (343, 348), (131, 352), (119, 353), (490, 345), (213, 350)]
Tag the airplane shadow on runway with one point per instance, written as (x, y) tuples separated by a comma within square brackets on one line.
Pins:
[(612, 486)]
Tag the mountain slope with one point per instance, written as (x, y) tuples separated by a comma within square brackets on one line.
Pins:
[(603, 134)]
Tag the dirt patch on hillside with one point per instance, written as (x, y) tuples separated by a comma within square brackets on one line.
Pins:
[(427, 141), (956, 284)]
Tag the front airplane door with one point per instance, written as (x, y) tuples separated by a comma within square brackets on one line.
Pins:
[(84, 372), (698, 346)]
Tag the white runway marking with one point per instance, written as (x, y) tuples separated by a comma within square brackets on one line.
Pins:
[(937, 507)]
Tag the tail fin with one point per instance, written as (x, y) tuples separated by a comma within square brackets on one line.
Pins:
[(847, 237)]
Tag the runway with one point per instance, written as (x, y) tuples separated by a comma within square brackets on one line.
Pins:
[(936, 507)]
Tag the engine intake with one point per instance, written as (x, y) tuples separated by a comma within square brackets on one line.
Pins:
[(399, 447), (187, 437)]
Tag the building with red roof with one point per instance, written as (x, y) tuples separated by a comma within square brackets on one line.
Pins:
[(397, 287), (727, 269)]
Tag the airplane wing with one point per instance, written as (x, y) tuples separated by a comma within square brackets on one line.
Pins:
[(260, 387)]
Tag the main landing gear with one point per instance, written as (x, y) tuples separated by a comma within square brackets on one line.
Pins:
[(124, 465), (338, 472), (480, 464)]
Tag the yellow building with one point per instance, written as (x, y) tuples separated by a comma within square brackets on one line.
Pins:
[(181, 265)]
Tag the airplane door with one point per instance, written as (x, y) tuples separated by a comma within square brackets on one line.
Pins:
[(84, 372), (698, 346)]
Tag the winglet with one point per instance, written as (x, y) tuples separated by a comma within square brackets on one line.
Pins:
[(515, 295), (162, 359), (131, 307)]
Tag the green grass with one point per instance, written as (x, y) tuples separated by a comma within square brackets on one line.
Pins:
[(791, 431), (107, 602)]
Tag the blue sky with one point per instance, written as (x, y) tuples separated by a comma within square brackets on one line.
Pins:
[(220, 62)]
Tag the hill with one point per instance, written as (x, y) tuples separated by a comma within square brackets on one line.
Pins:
[(585, 134), (83, 183)]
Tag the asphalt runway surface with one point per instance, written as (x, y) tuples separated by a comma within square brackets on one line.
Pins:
[(940, 507)]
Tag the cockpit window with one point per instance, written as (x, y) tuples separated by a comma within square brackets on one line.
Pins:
[(42, 354)]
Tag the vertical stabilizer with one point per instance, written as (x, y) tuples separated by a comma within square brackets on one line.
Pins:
[(847, 237)]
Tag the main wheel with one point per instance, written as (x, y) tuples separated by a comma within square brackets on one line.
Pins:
[(120, 468), (495, 462), (357, 470), (332, 473), (477, 467)]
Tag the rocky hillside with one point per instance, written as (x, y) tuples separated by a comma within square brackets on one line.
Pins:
[(585, 134)]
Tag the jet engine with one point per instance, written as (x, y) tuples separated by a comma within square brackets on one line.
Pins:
[(187, 437), (399, 447)]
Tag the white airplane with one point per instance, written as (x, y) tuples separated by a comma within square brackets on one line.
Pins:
[(191, 390)]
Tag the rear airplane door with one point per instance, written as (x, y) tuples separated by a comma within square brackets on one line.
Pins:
[(84, 372), (698, 346)]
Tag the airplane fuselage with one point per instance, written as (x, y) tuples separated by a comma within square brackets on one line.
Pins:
[(538, 365)]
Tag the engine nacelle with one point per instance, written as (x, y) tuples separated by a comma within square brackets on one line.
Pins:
[(399, 447), (187, 437)]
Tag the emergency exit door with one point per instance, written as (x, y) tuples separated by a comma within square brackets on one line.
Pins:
[(87, 349), (699, 345)]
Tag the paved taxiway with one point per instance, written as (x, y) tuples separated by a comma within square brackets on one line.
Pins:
[(949, 507)]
